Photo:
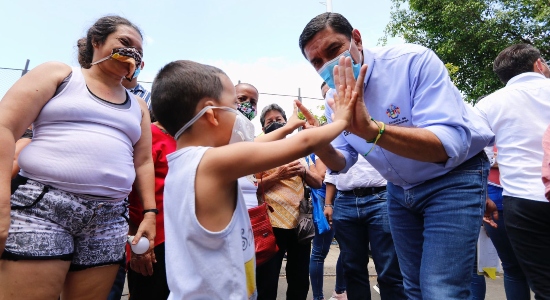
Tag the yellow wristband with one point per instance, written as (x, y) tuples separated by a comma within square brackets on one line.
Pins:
[(381, 130)]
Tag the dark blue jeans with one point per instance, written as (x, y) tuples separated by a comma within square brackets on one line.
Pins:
[(358, 221), (528, 226), (435, 226), (321, 246)]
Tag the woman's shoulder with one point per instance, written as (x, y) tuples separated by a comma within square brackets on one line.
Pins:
[(53, 69)]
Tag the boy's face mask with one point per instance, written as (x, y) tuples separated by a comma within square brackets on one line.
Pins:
[(129, 55), (247, 109), (327, 70), (243, 129)]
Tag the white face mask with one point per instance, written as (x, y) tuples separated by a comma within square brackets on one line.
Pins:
[(243, 129)]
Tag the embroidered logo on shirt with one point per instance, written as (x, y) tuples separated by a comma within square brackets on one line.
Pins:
[(393, 112)]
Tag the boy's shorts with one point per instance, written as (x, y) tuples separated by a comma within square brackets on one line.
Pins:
[(48, 223)]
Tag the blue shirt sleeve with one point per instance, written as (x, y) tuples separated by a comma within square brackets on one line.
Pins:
[(437, 106)]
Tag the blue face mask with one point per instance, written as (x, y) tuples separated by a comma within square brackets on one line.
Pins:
[(327, 70)]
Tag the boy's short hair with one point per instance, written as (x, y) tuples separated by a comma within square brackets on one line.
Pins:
[(178, 88), (270, 107), (515, 60)]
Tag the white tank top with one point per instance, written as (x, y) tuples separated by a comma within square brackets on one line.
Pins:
[(82, 144), (201, 264)]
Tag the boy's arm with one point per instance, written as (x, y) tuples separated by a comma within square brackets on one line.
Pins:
[(293, 123), (220, 167)]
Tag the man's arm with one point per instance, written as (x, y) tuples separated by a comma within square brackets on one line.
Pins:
[(440, 135)]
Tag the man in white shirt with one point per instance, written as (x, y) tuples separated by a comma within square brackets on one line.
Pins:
[(361, 216), (518, 114)]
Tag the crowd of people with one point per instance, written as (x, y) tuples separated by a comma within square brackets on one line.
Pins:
[(403, 171)]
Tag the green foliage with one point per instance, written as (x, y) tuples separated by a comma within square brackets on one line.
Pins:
[(468, 34), (322, 119)]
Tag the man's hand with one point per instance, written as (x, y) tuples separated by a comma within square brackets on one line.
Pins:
[(347, 86), (311, 121), (294, 122), (328, 214), (143, 263), (491, 213)]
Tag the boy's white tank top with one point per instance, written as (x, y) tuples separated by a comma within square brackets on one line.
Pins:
[(201, 264)]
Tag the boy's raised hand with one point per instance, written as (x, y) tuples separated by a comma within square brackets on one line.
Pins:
[(344, 102)]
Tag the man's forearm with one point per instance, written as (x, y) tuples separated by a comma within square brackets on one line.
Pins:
[(414, 143), (332, 158), (266, 182), (330, 194)]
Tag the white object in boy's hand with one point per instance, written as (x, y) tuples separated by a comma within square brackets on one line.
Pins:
[(142, 245)]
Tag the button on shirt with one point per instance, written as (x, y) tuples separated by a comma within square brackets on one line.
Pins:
[(408, 85), (518, 114), (360, 175)]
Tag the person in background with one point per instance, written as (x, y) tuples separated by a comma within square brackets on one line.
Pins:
[(546, 163), (324, 89), (147, 272), (137, 89), (515, 282), (64, 227), (321, 242), (360, 217), (283, 189), (509, 112)]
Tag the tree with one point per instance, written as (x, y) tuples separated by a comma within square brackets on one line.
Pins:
[(468, 34)]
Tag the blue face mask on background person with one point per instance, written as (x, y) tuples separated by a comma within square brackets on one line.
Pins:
[(327, 70)]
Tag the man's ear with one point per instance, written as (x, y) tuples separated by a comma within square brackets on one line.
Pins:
[(356, 35), (142, 64)]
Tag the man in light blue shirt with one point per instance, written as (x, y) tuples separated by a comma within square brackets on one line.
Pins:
[(422, 138)]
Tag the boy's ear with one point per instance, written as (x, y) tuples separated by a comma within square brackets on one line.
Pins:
[(211, 117)]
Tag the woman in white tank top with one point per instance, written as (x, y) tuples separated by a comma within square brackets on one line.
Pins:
[(63, 228)]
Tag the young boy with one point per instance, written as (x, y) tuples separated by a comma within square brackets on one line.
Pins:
[(209, 240)]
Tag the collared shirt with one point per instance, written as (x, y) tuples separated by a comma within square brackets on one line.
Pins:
[(360, 175), (140, 91), (408, 85), (518, 114)]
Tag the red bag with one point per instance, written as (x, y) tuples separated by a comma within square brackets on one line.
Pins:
[(264, 239)]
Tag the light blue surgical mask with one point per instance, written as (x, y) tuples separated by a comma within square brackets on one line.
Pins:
[(327, 70)]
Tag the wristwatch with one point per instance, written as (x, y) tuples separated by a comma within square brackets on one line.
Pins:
[(329, 205)]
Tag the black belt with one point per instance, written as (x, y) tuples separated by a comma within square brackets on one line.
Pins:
[(366, 191)]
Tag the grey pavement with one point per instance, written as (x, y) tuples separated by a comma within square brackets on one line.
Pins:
[(495, 288)]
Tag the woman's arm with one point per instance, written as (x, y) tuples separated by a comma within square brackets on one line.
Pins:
[(18, 109), (145, 177)]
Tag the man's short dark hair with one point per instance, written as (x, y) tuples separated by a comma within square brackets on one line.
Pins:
[(515, 60), (270, 107), (336, 21), (179, 87)]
